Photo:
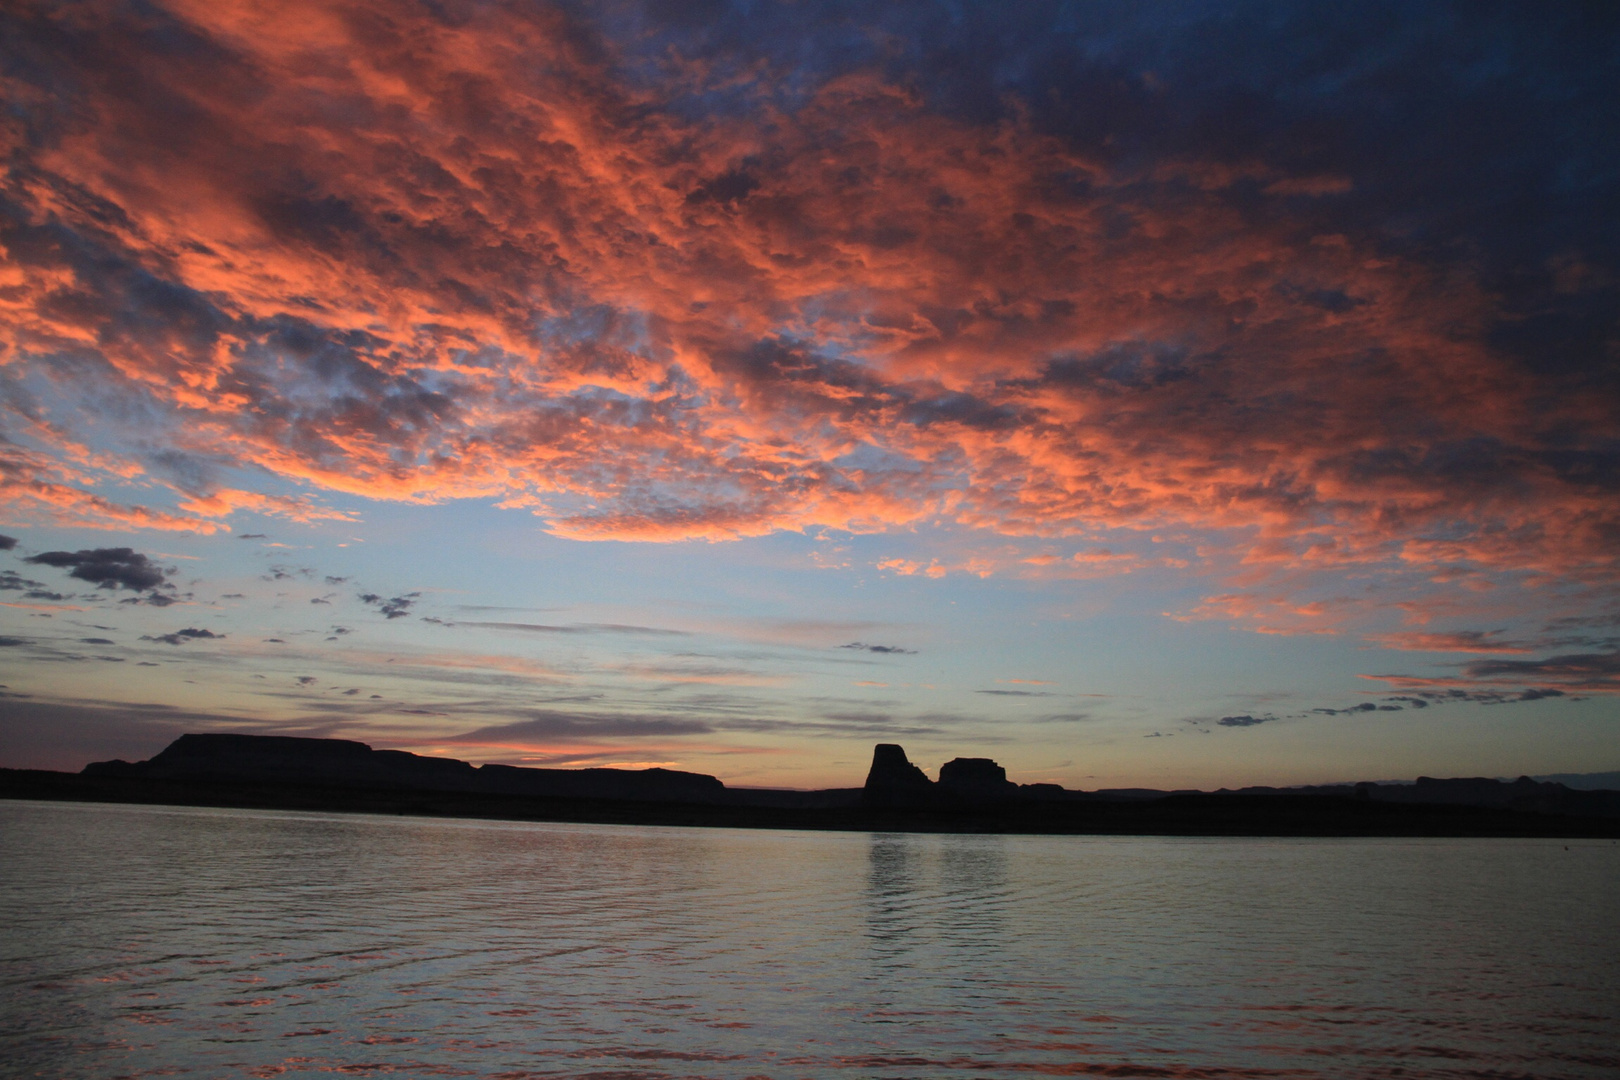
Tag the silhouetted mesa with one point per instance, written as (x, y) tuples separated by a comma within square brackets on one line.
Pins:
[(1523, 795), (894, 781), (972, 795), (341, 763), (980, 779)]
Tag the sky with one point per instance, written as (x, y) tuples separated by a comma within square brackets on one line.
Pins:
[(1164, 395)]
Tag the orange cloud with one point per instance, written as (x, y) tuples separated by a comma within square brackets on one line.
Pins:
[(376, 254), (226, 501), (62, 504)]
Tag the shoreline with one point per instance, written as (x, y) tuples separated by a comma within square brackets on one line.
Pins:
[(1201, 814)]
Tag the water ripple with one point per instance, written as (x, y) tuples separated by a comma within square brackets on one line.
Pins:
[(145, 941)]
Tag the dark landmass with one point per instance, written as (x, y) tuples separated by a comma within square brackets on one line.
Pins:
[(1591, 781), (971, 795)]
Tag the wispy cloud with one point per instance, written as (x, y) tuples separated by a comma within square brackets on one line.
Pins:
[(578, 628), (1597, 673), (881, 650), (180, 637), (1460, 641)]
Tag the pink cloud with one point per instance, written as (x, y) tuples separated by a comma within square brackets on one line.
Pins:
[(424, 263)]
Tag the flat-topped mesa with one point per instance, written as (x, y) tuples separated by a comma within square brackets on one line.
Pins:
[(977, 779), (647, 785), (290, 760), (276, 759), (894, 781)]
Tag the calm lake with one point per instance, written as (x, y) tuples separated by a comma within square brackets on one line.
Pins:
[(148, 941)]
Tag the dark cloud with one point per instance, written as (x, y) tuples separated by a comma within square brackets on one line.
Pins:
[(12, 642), (1487, 697), (13, 581), (728, 188), (1246, 720), (7, 542), (885, 649), (395, 607), (963, 409), (180, 637), (1575, 667), (1364, 707), (252, 536), (1582, 622), (1065, 718), (1465, 641), (569, 699), (97, 641), (108, 568), (1423, 699), (1553, 676)]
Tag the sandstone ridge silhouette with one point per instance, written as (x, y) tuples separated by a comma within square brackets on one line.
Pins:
[(971, 794)]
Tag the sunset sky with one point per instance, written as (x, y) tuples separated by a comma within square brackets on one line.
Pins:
[(1179, 394)]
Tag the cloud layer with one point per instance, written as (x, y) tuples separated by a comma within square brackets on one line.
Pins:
[(653, 283)]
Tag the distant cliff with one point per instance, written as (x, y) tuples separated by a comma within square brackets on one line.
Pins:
[(1524, 795), (894, 781), (341, 763), (971, 795)]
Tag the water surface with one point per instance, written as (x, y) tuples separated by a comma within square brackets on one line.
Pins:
[(147, 941)]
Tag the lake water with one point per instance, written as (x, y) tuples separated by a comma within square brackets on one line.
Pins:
[(149, 941)]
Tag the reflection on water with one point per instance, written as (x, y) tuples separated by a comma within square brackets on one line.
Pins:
[(146, 941), (891, 888)]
